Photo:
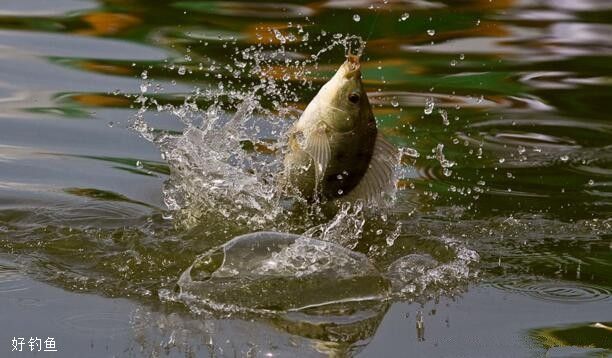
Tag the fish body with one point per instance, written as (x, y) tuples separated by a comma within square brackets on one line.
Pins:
[(334, 149)]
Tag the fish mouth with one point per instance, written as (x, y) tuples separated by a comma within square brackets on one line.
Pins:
[(352, 66)]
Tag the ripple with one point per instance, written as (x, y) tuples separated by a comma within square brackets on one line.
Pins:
[(583, 5), (106, 323), (392, 6), (43, 8), (72, 46), (539, 143), (560, 80), (247, 9), (509, 141), (581, 34), (564, 123), (566, 292), (417, 99), (442, 100), (11, 280)]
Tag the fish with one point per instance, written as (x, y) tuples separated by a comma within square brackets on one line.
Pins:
[(334, 150)]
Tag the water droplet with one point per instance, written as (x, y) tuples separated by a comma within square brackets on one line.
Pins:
[(139, 164), (409, 152), (340, 191), (429, 105), (431, 32), (356, 18), (453, 63), (404, 16), (181, 70), (144, 75), (501, 160), (444, 116), (394, 102), (591, 182), (564, 158), (462, 57)]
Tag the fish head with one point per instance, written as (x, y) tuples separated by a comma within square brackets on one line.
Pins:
[(342, 103)]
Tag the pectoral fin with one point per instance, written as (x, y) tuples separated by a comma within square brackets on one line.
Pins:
[(317, 146), (379, 179)]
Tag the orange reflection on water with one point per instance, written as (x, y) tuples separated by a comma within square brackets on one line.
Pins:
[(105, 68), (108, 23), (99, 100)]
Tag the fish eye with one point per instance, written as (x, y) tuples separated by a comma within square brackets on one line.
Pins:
[(354, 97)]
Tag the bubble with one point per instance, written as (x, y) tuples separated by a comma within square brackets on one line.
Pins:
[(431, 32), (564, 158), (356, 18), (301, 272), (394, 102), (404, 16)]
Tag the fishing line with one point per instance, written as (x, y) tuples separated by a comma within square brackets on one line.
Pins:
[(372, 27)]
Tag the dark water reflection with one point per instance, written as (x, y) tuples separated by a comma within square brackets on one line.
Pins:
[(516, 92)]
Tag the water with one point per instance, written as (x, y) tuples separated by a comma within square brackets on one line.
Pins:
[(138, 139)]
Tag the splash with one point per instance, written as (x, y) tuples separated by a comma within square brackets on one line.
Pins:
[(226, 156), (270, 271)]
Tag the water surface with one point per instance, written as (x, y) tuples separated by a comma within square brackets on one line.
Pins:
[(498, 243)]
